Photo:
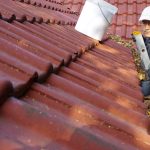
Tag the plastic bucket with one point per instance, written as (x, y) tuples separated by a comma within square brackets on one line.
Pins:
[(95, 18)]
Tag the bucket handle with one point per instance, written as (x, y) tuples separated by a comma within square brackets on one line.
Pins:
[(103, 13)]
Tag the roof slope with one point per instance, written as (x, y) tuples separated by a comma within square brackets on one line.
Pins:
[(62, 90), (126, 20)]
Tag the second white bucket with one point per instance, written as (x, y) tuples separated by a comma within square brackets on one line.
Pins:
[(95, 18)]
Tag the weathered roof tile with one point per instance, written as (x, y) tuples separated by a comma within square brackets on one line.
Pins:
[(60, 89), (130, 11)]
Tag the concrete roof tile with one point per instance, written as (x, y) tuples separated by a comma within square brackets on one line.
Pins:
[(130, 11), (60, 89), (63, 129)]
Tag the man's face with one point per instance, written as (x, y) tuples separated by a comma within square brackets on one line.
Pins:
[(146, 28)]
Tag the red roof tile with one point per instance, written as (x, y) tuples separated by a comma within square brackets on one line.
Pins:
[(126, 18), (22, 11), (130, 11), (6, 89), (62, 90)]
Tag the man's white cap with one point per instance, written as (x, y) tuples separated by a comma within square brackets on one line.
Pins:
[(145, 14)]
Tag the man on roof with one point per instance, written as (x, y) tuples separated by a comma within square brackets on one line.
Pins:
[(145, 27)]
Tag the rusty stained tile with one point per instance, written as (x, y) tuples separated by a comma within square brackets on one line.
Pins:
[(121, 60), (31, 47), (51, 38), (80, 41), (84, 42), (62, 48), (59, 127), (104, 86), (97, 56), (112, 75), (56, 1), (120, 70), (116, 54), (15, 136), (101, 82), (51, 5), (23, 60), (21, 12), (115, 48), (81, 111), (14, 12), (41, 43), (49, 14), (75, 108), (88, 104), (58, 39), (18, 37), (99, 101)]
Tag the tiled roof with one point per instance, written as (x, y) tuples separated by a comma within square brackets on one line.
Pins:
[(61, 90), (126, 20)]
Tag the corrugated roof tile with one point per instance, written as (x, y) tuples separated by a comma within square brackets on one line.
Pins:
[(29, 37), (19, 12), (22, 59), (131, 20), (123, 8), (96, 99), (125, 22), (82, 118), (60, 89), (63, 129), (61, 102), (20, 80), (31, 47), (132, 8), (101, 78)]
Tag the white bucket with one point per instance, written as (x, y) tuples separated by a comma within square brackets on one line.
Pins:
[(95, 18)]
